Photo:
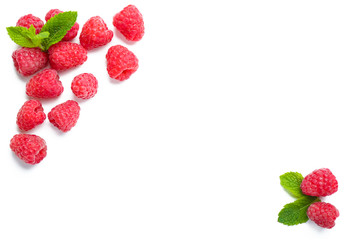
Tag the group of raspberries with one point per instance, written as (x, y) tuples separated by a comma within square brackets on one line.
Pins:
[(321, 183), (64, 55)]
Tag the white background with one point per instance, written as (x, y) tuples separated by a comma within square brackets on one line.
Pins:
[(228, 96)]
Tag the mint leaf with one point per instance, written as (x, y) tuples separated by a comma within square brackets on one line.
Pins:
[(57, 26), (31, 31), (291, 182), (22, 36), (26, 37), (295, 213), (52, 32), (37, 39)]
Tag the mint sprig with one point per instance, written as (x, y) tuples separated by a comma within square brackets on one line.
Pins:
[(58, 26), (52, 32), (26, 37), (295, 213)]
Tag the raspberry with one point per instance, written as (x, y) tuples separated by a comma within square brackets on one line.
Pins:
[(45, 84), (95, 33), (66, 55), (130, 23), (71, 34), (84, 86), (29, 148), (52, 13), (121, 62), (319, 183), (28, 61), (64, 116), (323, 214), (30, 115), (28, 20)]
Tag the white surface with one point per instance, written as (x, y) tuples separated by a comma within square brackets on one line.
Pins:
[(228, 96)]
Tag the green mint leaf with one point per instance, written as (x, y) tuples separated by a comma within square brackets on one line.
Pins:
[(22, 36), (32, 30), (291, 182), (37, 39), (57, 27), (295, 213), (42, 35)]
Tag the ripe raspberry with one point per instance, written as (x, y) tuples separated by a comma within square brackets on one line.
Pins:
[(28, 61), (28, 20), (71, 34), (319, 183), (45, 84), (52, 13), (29, 148), (121, 62), (30, 115), (130, 23), (84, 86), (95, 33), (64, 116), (323, 214), (66, 55)]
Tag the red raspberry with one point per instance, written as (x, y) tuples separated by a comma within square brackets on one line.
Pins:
[(71, 34), (45, 84), (130, 23), (28, 20), (319, 183), (64, 116), (84, 86), (52, 13), (323, 214), (66, 55), (121, 62), (30, 115), (28, 61), (29, 148), (95, 33)]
